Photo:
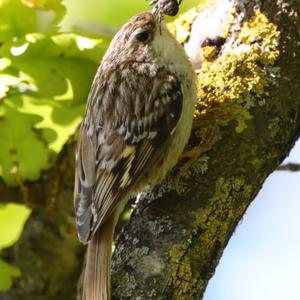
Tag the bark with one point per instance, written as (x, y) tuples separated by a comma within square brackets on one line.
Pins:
[(173, 241)]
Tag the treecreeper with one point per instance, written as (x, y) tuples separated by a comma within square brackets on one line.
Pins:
[(138, 120)]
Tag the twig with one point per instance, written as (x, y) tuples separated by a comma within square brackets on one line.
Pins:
[(289, 167)]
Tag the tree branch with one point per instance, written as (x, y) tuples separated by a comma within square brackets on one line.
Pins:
[(289, 167), (173, 243)]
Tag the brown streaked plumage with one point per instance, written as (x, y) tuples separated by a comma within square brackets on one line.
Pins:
[(138, 119)]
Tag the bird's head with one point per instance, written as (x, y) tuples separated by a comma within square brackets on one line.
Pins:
[(143, 39)]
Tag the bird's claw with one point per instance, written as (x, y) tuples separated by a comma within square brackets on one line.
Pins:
[(195, 153)]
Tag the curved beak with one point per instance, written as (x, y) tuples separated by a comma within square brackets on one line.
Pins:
[(158, 15)]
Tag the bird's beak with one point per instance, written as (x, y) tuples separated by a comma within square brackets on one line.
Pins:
[(159, 18)]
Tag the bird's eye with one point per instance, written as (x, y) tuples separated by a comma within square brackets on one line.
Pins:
[(142, 36)]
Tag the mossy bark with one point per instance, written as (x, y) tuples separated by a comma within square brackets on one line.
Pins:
[(173, 241)]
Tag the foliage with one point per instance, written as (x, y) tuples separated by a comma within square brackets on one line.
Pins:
[(107, 15), (20, 17), (45, 78), (12, 219)]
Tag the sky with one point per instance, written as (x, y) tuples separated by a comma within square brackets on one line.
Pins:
[(262, 259)]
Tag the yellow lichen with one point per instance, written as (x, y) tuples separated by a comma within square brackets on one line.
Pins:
[(240, 75), (260, 30), (228, 86), (181, 269), (181, 27), (221, 211), (234, 79), (211, 224), (209, 53), (224, 83)]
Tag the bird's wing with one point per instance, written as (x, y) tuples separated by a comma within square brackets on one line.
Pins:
[(125, 132)]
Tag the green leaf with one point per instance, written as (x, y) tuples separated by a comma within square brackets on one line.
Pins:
[(59, 121), (6, 82), (7, 272), (54, 5), (45, 80), (18, 17), (12, 219), (107, 15), (23, 154), (15, 19), (74, 45), (53, 64)]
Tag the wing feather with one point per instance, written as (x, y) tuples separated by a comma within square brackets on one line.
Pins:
[(122, 136)]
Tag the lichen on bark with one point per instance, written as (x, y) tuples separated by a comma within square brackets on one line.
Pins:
[(231, 84), (242, 91)]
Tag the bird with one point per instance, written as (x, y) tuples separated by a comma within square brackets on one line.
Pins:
[(137, 122)]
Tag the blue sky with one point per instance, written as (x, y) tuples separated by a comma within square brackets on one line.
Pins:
[(262, 259)]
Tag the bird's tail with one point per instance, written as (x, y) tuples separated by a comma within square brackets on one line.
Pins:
[(96, 282)]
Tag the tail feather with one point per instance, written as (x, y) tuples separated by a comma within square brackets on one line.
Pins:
[(96, 284)]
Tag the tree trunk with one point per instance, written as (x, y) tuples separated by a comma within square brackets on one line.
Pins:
[(174, 239)]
